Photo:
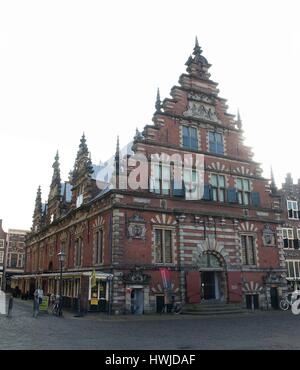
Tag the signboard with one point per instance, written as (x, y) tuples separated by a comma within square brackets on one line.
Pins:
[(94, 302), (44, 305)]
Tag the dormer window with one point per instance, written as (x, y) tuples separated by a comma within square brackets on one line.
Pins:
[(292, 207)]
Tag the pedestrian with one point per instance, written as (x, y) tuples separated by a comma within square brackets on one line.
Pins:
[(37, 300), (10, 306)]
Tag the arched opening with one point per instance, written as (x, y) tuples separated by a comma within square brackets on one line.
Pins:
[(213, 274)]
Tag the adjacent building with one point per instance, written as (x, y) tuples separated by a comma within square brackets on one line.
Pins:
[(15, 254), (203, 224), (290, 198)]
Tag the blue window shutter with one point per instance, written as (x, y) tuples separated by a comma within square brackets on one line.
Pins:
[(207, 192), (255, 199), (231, 195), (178, 189)]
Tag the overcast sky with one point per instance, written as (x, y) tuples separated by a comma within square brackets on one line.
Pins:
[(94, 66)]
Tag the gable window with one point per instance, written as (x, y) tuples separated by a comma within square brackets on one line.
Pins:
[(243, 191), (248, 250), (189, 137), (163, 246), (218, 187), (292, 207), (78, 252), (99, 246), (216, 144), (288, 238)]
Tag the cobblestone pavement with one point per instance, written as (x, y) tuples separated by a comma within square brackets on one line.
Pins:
[(259, 330)]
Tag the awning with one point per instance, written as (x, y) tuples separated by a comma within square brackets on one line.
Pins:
[(65, 275)]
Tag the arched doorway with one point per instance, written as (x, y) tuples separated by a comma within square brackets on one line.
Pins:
[(213, 277)]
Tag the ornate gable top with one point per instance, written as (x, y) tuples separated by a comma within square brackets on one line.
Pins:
[(83, 164), (198, 58)]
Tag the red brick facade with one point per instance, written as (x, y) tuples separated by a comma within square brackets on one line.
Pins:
[(225, 246)]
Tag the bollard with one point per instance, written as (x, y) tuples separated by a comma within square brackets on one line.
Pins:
[(79, 313)]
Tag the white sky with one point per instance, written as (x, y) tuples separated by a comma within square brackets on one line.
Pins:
[(94, 66)]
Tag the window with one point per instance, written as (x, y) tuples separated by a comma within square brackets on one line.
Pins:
[(216, 144), (293, 267), (78, 252), (191, 184), (20, 261), (163, 246), (243, 191), (13, 260), (248, 250), (1, 256), (218, 187), (99, 247), (292, 207), (160, 179), (1, 243), (190, 137), (288, 238)]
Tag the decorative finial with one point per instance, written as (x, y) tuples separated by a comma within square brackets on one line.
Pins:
[(197, 48), (158, 101), (273, 184), (239, 121)]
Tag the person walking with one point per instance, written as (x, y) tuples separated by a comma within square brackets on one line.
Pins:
[(10, 306), (37, 300)]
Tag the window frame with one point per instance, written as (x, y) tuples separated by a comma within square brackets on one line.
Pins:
[(99, 261), (214, 145), (290, 237), (243, 195), (294, 210), (163, 231), (246, 260), (218, 189), (191, 139)]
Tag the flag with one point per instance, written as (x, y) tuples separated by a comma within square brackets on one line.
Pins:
[(93, 279), (166, 278)]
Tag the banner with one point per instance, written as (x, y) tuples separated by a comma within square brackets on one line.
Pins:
[(93, 279), (166, 278)]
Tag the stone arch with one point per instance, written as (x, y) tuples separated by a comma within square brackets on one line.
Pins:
[(212, 246)]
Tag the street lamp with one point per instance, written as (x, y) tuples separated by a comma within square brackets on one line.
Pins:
[(61, 257)]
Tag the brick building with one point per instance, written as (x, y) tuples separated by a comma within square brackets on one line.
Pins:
[(2, 253), (15, 254), (217, 238), (290, 198)]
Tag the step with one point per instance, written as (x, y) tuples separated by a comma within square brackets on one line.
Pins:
[(208, 313)]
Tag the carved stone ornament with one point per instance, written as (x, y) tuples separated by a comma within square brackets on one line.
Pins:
[(200, 98), (137, 227), (198, 110), (268, 237), (274, 278), (136, 276)]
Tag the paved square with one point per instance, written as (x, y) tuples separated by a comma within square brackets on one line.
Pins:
[(259, 330)]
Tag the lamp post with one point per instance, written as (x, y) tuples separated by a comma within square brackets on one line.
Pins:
[(61, 257)]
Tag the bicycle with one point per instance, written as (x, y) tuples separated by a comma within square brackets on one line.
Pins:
[(56, 307), (285, 304)]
